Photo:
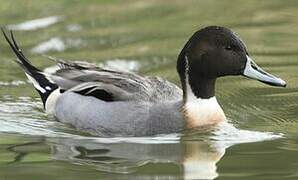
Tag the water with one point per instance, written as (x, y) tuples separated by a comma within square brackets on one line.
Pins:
[(259, 142)]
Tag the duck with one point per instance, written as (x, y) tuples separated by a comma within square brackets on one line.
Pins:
[(110, 103)]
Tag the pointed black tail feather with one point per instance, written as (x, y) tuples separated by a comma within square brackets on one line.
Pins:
[(41, 83)]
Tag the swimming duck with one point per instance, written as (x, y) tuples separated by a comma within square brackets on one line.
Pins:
[(107, 102)]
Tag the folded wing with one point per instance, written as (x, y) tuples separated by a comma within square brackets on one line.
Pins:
[(111, 85)]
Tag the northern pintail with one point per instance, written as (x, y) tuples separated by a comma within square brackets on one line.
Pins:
[(106, 102)]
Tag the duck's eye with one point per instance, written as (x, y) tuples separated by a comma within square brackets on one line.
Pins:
[(228, 47)]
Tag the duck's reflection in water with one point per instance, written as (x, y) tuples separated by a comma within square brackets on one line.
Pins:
[(195, 159), (200, 160)]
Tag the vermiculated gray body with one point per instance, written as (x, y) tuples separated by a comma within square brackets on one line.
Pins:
[(134, 106), (119, 118)]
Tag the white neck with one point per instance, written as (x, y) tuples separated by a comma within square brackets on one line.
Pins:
[(201, 112)]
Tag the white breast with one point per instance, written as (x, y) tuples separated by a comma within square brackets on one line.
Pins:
[(200, 112)]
